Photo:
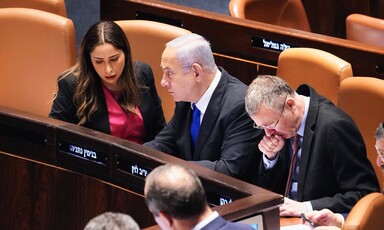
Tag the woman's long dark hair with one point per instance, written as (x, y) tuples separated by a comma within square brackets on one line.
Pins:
[(87, 91)]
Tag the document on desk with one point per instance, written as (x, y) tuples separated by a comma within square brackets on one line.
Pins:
[(296, 227)]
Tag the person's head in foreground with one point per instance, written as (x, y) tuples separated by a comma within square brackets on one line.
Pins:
[(112, 221), (176, 197)]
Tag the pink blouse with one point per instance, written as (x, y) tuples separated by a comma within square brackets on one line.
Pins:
[(127, 126)]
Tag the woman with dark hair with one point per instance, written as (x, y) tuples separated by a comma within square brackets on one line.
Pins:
[(106, 91)]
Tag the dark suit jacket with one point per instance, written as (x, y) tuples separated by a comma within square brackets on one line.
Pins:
[(334, 169), (220, 224), (227, 141), (64, 109)]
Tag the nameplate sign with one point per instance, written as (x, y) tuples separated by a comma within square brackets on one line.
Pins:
[(269, 44), (83, 152)]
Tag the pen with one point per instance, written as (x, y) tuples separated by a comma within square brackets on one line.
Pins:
[(310, 222)]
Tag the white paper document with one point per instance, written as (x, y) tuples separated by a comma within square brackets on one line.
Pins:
[(296, 227)]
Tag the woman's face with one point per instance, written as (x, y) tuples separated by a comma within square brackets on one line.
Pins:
[(109, 64)]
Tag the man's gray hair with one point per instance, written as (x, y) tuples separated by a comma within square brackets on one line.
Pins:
[(379, 134), (268, 91), (112, 221), (193, 48)]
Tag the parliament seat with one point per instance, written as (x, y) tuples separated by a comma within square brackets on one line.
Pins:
[(363, 99), (367, 214), (286, 13), (52, 6), (319, 69), (365, 29), (147, 40), (36, 46)]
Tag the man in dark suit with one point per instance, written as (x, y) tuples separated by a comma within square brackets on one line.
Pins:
[(226, 141), (330, 168), (325, 217), (177, 200)]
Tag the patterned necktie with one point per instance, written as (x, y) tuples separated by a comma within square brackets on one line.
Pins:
[(195, 124), (295, 148)]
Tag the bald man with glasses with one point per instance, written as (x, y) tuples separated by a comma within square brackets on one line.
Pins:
[(313, 152)]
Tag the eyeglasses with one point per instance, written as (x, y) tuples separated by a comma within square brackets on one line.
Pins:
[(380, 151), (276, 123)]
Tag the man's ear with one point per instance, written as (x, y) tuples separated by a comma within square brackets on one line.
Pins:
[(290, 102), (168, 220), (197, 69)]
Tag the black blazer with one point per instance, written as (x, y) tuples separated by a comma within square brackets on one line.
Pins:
[(334, 170), (64, 109), (227, 141)]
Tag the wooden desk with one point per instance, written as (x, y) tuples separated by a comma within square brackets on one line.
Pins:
[(238, 44), (286, 221), (328, 16), (55, 175)]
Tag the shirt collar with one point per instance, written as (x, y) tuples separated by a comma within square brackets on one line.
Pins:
[(306, 108), (206, 221), (202, 104)]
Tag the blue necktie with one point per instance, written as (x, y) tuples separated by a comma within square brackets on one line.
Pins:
[(195, 124)]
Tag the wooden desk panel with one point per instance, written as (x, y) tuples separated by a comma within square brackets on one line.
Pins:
[(328, 16), (233, 37), (286, 221), (88, 173), (40, 196)]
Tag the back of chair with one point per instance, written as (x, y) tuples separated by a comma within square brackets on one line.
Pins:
[(36, 46), (363, 99), (365, 29), (319, 69), (287, 13), (147, 40), (367, 214), (52, 6)]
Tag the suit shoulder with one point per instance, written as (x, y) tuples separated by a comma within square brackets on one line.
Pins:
[(235, 84), (68, 81), (143, 72), (142, 67), (236, 90)]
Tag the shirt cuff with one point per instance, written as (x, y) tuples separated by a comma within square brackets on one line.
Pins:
[(340, 217), (268, 164), (308, 205)]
